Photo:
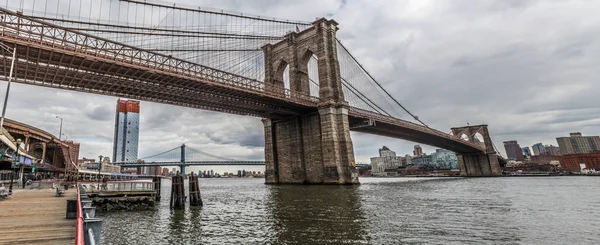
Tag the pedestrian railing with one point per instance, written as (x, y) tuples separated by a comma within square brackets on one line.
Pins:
[(118, 186), (88, 227)]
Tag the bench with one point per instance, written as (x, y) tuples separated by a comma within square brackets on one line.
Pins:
[(59, 192), (3, 193)]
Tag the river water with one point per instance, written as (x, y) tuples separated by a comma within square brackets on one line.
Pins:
[(510, 210)]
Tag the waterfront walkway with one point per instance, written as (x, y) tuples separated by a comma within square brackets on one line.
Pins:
[(36, 217)]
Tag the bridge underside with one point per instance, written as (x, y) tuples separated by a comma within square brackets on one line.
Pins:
[(55, 68)]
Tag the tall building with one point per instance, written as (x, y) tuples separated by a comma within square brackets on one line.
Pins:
[(127, 129), (526, 151), (387, 160), (552, 150), (513, 150), (538, 149), (418, 151), (443, 159), (386, 152), (578, 144)]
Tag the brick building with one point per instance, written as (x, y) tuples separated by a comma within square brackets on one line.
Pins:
[(572, 161)]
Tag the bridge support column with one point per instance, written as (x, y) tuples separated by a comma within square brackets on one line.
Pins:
[(182, 170), (310, 149), (481, 164)]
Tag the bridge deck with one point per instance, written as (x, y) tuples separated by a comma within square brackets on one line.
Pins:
[(36, 217), (53, 56)]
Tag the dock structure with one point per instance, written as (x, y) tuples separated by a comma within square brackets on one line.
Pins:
[(36, 217), (195, 198), (121, 195)]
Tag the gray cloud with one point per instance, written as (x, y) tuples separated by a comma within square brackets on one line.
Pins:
[(526, 68)]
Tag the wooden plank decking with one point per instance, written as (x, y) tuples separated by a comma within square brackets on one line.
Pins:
[(36, 217)]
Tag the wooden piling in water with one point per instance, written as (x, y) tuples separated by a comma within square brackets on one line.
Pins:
[(156, 180), (195, 199), (177, 192)]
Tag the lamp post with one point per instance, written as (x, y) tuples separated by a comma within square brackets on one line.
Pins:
[(99, 169), (60, 131), (14, 164), (12, 66)]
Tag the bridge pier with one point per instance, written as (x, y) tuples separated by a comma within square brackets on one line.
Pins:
[(310, 149), (182, 170), (480, 164)]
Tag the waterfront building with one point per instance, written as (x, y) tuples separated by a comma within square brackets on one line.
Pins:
[(423, 160), (538, 149), (513, 150), (444, 159), (573, 161), (387, 160), (578, 144), (127, 128), (441, 159), (526, 151), (418, 151), (552, 150), (545, 159), (85, 161)]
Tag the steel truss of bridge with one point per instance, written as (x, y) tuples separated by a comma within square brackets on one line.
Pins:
[(192, 163)]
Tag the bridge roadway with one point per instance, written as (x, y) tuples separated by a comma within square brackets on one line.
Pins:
[(192, 163), (52, 56)]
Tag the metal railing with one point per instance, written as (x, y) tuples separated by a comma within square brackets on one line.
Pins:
[(117, 186), (88, 228)]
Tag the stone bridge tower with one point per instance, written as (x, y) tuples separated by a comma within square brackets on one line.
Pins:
[(313, 148), (478, 164)]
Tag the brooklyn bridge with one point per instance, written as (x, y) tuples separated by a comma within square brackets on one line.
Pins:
[(307, 87)]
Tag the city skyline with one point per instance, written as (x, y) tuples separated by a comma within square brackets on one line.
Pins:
[(531, 120)]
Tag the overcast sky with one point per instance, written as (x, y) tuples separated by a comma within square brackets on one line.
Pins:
[(529, 69)]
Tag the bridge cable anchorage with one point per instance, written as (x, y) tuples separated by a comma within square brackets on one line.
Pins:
[(379, 85)]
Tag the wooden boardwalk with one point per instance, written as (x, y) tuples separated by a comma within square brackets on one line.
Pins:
[(36, 217)]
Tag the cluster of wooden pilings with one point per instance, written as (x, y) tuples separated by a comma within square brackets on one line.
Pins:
[(195, 199), (178, 191)]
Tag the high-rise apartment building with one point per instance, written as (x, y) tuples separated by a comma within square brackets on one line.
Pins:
[(127, 129), (513, 150), (526, 151), (387, 160), (552, 150), (538, 149), (418, 151), (578, 144)]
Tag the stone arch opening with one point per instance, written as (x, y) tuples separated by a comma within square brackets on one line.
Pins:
[(479, 139), (312, 66), (282, 77), (464, 137)]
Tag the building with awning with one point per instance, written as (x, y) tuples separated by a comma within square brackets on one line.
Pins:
[(39, 149)]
